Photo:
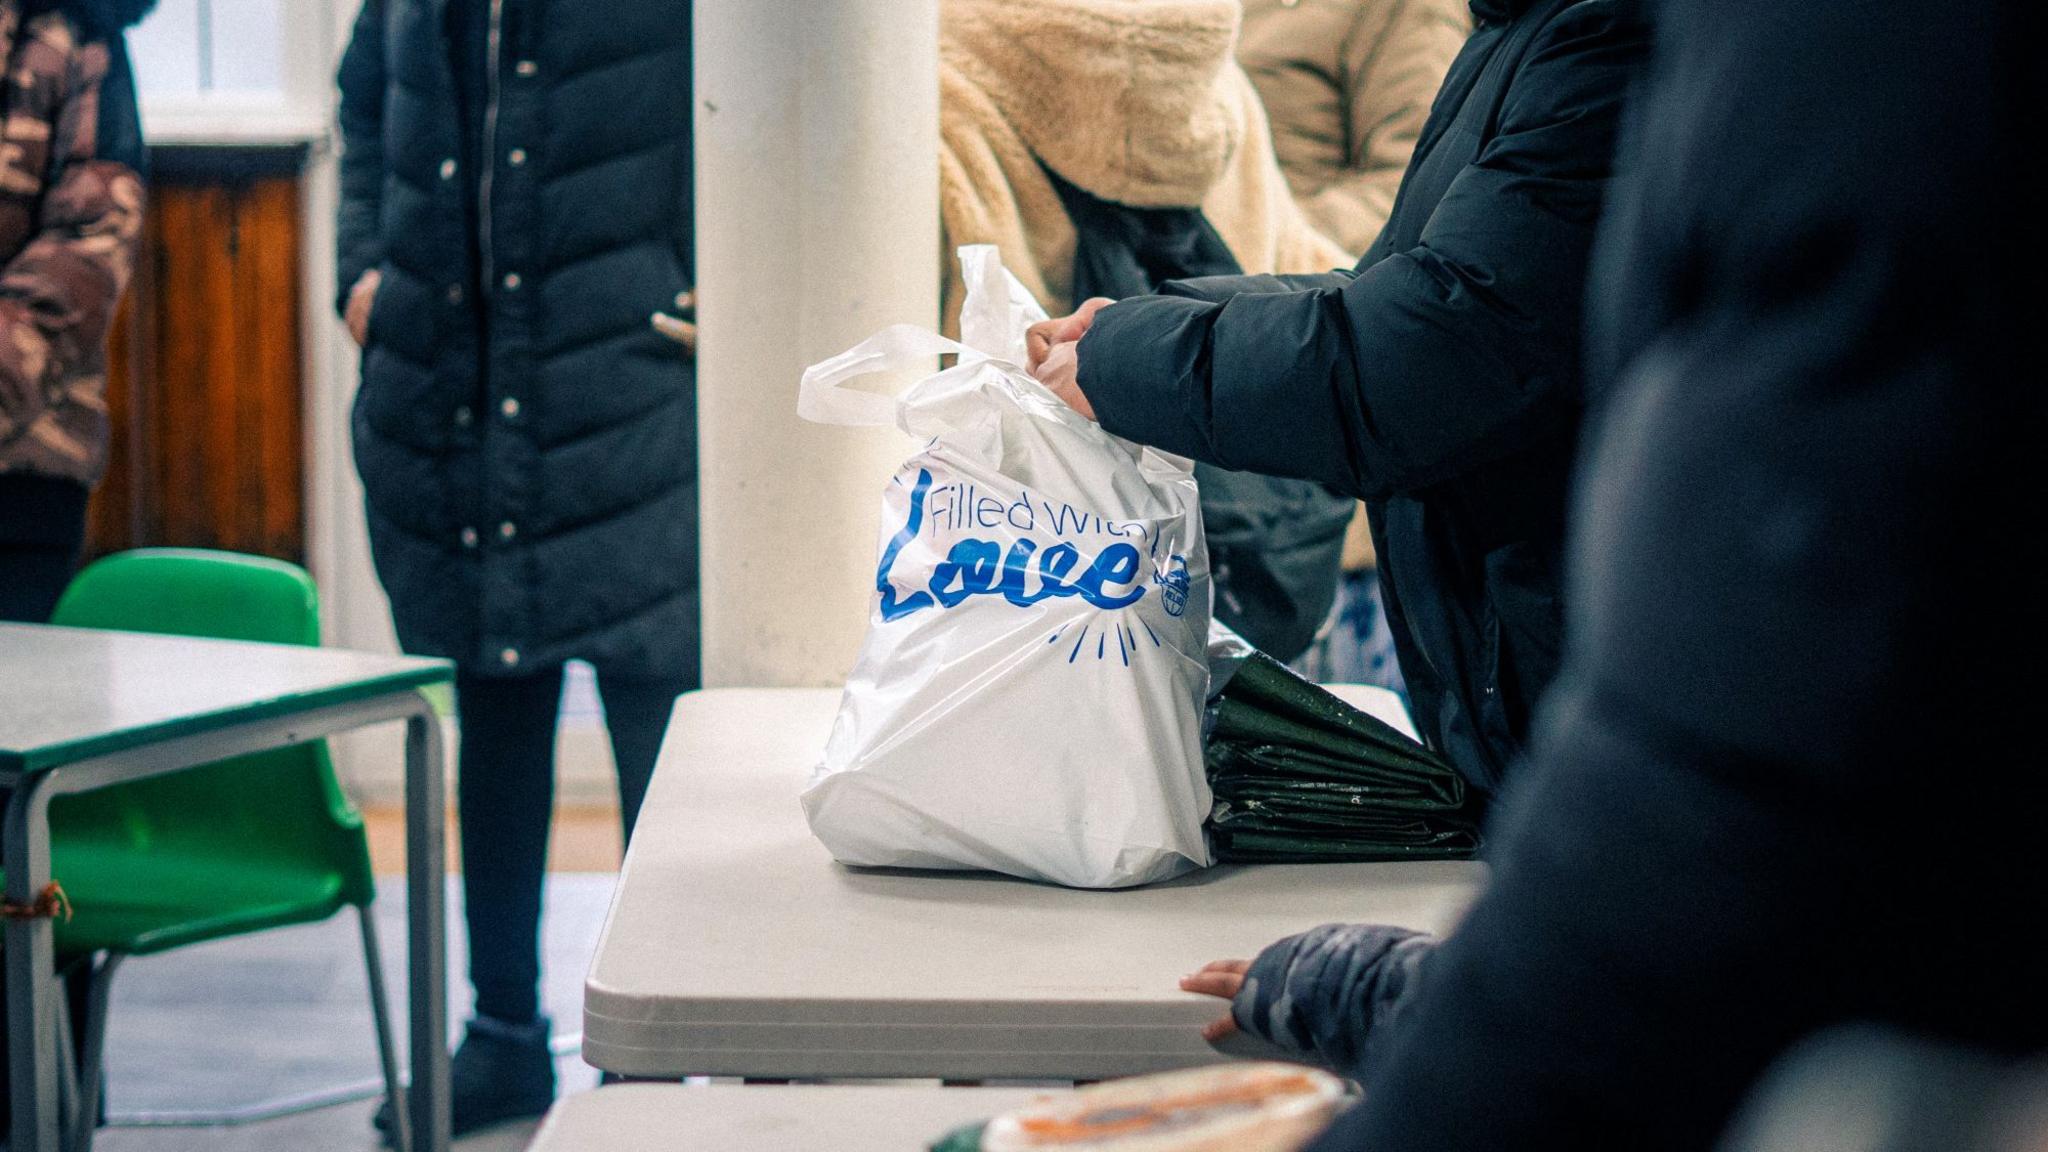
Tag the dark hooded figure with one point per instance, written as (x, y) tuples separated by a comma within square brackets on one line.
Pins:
[(70, 215), (515, 210), (1439, 381)]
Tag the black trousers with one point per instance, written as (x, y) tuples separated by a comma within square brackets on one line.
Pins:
[(505, 791), (42, 527)]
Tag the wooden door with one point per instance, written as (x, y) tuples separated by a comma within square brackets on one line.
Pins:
[(205, 385)]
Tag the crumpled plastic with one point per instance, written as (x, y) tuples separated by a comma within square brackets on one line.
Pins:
[(1299, 776), (980, 727)]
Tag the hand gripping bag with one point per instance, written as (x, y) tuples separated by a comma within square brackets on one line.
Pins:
[(1028, 698)]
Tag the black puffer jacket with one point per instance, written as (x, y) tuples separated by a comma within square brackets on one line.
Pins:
[(1440, 381), (1789, 777), (527, 442)]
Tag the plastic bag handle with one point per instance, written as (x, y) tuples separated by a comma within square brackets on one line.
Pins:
[(999, 310), (824, 398)]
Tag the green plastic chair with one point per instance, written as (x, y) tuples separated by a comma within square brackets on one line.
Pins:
[(240, 846)]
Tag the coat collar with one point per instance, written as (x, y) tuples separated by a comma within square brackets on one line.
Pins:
[(1496, 11), (116, 15)]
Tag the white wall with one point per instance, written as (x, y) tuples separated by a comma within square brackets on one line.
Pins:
[(337, 538)]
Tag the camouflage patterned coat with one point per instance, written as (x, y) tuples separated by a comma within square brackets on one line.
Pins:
[(70, 212)]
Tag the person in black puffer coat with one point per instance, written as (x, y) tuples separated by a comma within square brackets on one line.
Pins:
[(1439, 381), (516, 207)]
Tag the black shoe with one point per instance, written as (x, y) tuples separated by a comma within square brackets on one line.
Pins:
[(500, 1072)]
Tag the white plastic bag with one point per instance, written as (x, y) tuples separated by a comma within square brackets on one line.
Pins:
[(1028, 699)]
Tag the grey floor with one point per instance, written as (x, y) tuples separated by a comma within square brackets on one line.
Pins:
[(247, 1026), (345, 1126)]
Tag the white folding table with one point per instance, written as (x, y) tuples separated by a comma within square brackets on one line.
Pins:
[(736, 946), (764, 1118)]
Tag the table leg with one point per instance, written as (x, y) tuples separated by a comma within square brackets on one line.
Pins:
[(31, 979), (426, 936)]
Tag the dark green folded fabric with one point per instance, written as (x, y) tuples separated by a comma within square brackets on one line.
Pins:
[(1300, 777)]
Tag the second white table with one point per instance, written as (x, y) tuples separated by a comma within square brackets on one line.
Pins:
[(764, 1118), (736, 946)]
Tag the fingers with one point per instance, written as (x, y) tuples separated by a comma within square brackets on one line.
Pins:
[(1075, 398), (679, 330), (361, 297), (1221, 981), (1060, 373), (1068, 329), (1038, 341), (1041, 338), (681, 327), (1056, 366), (1222, 985)]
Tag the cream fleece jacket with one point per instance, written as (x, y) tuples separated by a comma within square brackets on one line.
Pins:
[(1136, 101), (1348, 85)]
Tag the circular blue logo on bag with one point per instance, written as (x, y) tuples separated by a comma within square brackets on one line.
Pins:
[(1173, 587)]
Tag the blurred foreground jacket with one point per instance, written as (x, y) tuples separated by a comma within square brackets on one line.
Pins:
[(71, 203), (527, 441), (1790, 776), (1441, 381)]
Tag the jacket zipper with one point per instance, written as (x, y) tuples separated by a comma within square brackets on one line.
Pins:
[(488, 163)]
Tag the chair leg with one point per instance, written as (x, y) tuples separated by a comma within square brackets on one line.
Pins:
[(387, 1044), (92, 1061), (68, 1113)]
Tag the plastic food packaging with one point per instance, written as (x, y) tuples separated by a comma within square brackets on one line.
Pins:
[(1029, 696), (1300, 776), (1266, 1107)]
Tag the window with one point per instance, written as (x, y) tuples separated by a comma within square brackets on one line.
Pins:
[(234, 70), (191, 47)]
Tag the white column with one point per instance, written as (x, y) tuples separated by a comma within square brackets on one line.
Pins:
[(817, 224), (338, 535), (353, 611)]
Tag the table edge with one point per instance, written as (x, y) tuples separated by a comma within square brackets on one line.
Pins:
[(20, 763)]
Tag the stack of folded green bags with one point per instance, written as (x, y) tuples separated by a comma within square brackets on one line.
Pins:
[(1302, 777)]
